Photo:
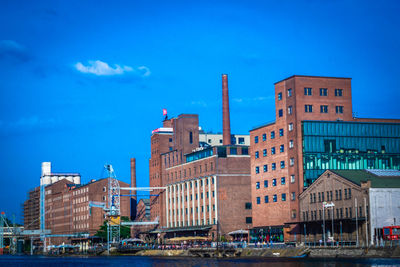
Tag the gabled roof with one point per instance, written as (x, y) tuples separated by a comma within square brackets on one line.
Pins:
[(359, 176)]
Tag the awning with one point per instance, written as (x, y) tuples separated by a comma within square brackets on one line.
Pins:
[(239, 232), (132, 240), (188, 238), (183, 229)]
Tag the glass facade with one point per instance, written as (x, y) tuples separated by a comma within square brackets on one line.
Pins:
[(339, 145)]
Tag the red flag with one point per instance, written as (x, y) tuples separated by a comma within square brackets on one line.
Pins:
[(164, 111)]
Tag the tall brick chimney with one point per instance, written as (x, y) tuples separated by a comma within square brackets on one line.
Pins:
[(133, 175), (226, 122), (133, 184)]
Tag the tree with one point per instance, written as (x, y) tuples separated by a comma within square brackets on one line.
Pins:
[(125, 231)]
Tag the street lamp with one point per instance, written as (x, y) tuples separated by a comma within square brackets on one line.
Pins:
[(326, 205)]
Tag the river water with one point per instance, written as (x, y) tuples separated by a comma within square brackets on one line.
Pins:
[(75, 261)]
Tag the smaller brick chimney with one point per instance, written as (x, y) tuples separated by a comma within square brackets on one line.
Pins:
[(226, 123)]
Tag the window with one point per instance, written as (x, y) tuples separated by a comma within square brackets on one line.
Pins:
[(283, 196), (283, 181), (104, 189), (257, 185), (280, 132), (280, 112), (247, 206), (272, 134), (308, 108), (345, 193), (241, 140), (319, 196), (264, 152), (257, 169), (233, 151), (323, 91), (256, 154), (294, 214), (291, 162), (265, 168), (291, 144), (282, 164), (324, 109), (256, 139), (272, 150), (290, 127), (290, 110), (245, 151), (340, 194), (339, 109), (349, 193), (323, 196), (293, 196), (258, 200), (273, 166), (264, 137), (275, 198), (338, 92), (307, 91), (279, 96), (273, 182), (266, 199), (281, 148), (265, 183), (191, 137), (292, 178), (289, 92), (249, 220), (311, 198)]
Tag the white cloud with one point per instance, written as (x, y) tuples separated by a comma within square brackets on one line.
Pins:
[(199, 103), (145, 71), (253, 99), (101, 68), (11, 48)]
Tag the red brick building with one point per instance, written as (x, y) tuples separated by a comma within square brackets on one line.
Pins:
[(277, 169), (207, 187), (67, 208)]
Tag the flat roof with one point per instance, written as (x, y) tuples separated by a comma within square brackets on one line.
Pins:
[(309, 76), (262, 125)]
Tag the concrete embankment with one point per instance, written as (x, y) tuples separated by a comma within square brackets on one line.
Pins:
[(282, 252), (355, 252)]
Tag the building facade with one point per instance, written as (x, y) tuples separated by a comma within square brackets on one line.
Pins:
[(314, 129), (350, 206), (207, 177), (31, 210), (68, 212)]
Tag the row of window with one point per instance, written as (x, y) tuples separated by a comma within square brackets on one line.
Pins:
[(273, 151), (274, 182), (191, 197), (329, 195), (322, 91), (309, 91), (323, 109), (191, 210), (275, 198), (340, 213), (273, 166), (281, 133)]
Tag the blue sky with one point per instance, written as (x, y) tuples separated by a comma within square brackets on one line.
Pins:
[(84, 82)]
